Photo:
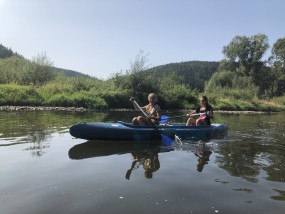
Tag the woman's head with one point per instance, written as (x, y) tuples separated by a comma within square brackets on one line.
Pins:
[(204, 100), (152, 97)]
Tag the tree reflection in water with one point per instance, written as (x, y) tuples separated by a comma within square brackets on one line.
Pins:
[(35, 128)]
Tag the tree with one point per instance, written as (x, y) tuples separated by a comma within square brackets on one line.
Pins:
[(140, 63), (247, 53), (136, 80), (42, 70), (277, 60), (244, 55), (278, 52)]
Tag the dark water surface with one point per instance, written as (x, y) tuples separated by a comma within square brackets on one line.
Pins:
[(45, 170)]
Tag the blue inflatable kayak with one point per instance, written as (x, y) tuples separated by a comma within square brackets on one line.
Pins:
[(121, 131)]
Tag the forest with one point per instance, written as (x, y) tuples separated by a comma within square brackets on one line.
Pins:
[(243, 80)]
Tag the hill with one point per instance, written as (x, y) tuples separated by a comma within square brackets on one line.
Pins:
[(7, 52), (194, 73), (69, 73)]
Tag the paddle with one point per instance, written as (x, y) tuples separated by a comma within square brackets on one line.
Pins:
[(166, 140), (165, 118)]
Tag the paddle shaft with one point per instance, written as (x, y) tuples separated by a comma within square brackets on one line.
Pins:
[(140, 108), (191, 115), (165, 118)]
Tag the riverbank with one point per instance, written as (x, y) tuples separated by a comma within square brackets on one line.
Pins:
[(41, 108), (81, 109)]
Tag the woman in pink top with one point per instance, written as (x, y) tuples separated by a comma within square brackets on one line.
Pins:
[(204, 119)]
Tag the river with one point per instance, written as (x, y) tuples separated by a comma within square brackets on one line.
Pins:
[(45, 170)]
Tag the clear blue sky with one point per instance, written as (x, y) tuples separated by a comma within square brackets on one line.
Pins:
[(100, 37)]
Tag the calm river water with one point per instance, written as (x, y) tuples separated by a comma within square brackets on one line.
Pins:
[(45, 170)]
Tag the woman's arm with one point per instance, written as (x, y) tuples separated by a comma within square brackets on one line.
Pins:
[(210, 113), (193, 112), (132, 99)]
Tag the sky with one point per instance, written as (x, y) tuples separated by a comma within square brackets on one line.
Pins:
[(101, 37)]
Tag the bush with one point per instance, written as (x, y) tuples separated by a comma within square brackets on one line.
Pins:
[(117, 99), (78, 99), (19, 95), (220, 103), (63, 100), (177, 96)]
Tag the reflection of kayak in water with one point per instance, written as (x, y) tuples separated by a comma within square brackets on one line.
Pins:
[(121, 131), (91, 149), (143, 153)]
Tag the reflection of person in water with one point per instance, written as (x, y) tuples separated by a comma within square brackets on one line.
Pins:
[(203, 155), (150, 163)]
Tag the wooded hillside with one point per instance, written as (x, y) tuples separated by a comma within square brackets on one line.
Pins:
[(194, 73)]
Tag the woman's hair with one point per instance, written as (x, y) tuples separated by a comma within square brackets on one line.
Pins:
[(205, 98)]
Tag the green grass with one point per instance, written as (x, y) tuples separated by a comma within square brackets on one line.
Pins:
[(62, 95)]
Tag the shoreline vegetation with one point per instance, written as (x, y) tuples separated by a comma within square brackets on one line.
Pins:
[(81, 109)]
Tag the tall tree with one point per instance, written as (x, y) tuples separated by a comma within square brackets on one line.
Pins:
[(278, 52), (247, 53), (277, 60), (244, 54)]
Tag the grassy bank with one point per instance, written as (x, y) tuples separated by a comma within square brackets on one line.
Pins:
[(15, 95)]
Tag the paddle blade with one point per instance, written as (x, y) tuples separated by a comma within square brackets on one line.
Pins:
[(166, 140), (163, 119)]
